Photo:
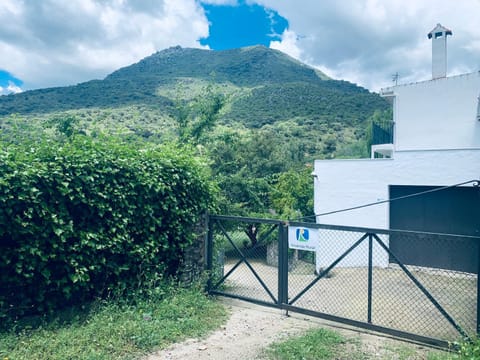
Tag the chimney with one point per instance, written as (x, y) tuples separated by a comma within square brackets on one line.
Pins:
[(439, 50)]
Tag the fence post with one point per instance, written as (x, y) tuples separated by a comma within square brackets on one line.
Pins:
[(209, 252), (282, 263), (370, 271), (478, 287)]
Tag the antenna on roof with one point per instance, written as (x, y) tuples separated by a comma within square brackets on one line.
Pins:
[(395, 78)]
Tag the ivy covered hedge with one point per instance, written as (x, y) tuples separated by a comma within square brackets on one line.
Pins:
[(80, 218)]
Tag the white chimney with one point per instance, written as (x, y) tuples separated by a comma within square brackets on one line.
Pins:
[(439, 50)]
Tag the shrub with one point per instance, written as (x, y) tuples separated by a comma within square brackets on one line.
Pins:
[(469, 349), (80, 218)]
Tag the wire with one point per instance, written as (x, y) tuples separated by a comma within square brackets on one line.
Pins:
[(476, 183)]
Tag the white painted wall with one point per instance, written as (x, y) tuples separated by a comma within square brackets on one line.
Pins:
[(437, 114), (340, 184)]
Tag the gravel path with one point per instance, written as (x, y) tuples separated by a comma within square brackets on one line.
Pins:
[(251, 328)]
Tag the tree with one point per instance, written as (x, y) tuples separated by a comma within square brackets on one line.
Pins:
[(292, 195), (330, 145), (194, 118), (248, 164), (66, 126)]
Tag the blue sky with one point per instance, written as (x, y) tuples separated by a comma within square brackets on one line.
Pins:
[(58, 43), (240, 25), (9, 82)]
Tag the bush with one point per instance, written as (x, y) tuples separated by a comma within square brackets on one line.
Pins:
[(81, 218), (469, 349)]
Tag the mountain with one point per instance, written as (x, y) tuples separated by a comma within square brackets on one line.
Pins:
[(245, 67), (266, 86), (278, 116)]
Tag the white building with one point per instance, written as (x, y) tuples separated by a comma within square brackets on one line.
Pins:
[(436, 143)]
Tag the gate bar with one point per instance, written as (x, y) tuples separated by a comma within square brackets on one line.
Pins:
[(332, 265), (370, 271), (244, 259), (478, 289), (282, 264), (228, 274), (372, 327), (424, 290), (245, 298), (260, 280)]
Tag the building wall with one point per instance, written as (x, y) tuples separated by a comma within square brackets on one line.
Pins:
[(340, 184), (437, 114)]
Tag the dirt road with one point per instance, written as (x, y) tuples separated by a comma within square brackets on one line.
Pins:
[(251, 328)]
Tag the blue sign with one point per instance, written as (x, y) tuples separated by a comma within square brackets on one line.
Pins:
[(301, 238)]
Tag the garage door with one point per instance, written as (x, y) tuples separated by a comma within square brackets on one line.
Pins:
[(450, 211)]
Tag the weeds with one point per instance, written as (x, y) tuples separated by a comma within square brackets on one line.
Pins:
[(314, 345), (319, 344), (114, 329)]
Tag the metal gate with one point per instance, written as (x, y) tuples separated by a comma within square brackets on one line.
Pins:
[(353, 277)]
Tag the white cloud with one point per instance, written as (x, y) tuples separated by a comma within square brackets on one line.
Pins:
[(288, 44), (56, 42), (219, 2), (10, 89), (367, 41)]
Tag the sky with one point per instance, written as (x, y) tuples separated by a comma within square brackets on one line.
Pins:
[(46, 43)]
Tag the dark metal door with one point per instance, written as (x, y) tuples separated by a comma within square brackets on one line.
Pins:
[(450, 211)]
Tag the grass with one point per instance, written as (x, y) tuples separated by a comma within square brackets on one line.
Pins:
[(323, 344), (129, 329), (114, 329), (318, 344)]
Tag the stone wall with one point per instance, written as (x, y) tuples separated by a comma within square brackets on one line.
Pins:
[(272, 256), (193, 262)]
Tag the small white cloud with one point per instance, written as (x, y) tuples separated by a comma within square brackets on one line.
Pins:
[(473, 46), (288, 44), (220, 2), (10, 89)]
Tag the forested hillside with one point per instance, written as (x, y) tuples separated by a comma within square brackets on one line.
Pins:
[(255, 112)]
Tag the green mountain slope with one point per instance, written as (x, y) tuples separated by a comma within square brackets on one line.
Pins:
[(249, 67), (324, 101), (267, 85), (91, 94)]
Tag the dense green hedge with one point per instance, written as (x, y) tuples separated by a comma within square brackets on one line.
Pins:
[(81, 218)]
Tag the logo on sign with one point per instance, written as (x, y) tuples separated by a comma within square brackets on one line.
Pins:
[(301, 238), (302, 235)]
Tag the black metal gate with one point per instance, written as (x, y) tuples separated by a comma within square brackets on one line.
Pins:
[(353, 277)]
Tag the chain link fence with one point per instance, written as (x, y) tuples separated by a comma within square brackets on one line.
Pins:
[(244, 261), (421, 286)]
